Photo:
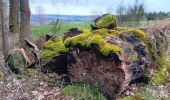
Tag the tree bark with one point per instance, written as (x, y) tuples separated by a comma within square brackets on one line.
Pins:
[(14, 16), (5, 27), (0, 23), (25, 20)]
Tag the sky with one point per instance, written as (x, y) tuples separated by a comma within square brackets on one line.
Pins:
[(91, 7)]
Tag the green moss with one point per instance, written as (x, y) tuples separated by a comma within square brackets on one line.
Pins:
[(52, 48), (95, 40), (83, 91), (17, 62), (89, 39), (110, 48), (122, 28), (132, 56), (115, 32), (136, 96), (161, 75), (102, 32), (2, 74), (77, 40), (106, 21), (105, 32), (139, 33)]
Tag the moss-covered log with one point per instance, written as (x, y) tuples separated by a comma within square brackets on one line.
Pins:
[(110, 61), (109, 56)]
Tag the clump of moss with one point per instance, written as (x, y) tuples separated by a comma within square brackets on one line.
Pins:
[(106, 21), (139, 33), (115, 32), (106, 32), (133, 55), (161, 75), (52, 48), (102, 32), (88, 40), (77, 40), (17, 62), (110, 48)]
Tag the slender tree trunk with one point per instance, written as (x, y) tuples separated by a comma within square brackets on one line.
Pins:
[(14, 16), (0, 21), (5, 27), (25, 20)]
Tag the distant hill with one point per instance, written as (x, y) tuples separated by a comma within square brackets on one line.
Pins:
[(47, 18)]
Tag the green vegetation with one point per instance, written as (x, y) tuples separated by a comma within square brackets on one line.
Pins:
[(138, 33), (52, 48), (102, 32), (17, 62), (161, 75), (31, 72), (106, 21), (133, 55), (2, 74), (136, 96), (89, 40), (106, 32), (39, 30), (84, 91)]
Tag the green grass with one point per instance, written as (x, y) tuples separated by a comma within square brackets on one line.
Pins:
[(84, 91), (38, 30)]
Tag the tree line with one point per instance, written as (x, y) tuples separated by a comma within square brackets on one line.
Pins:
[(132, 15)]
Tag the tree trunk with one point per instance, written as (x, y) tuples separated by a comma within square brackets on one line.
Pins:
[(0, 21), (14, 16), (5, 27), (25, 20)]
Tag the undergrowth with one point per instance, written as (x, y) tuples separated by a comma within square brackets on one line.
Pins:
[(83, 91)]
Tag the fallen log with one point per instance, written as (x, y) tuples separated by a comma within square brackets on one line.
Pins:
[(111, 57), (112, 72)]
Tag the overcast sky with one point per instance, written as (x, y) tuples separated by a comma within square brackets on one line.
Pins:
[(89, 7)]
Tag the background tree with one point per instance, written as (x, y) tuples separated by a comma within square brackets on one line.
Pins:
[(136, 12), (5, 27), (121, 14), (14, 16), (25, 20), (132, 15), (150, 16), (41, 11)]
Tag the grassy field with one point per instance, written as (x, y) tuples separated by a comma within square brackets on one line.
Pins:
[(38, 30)]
